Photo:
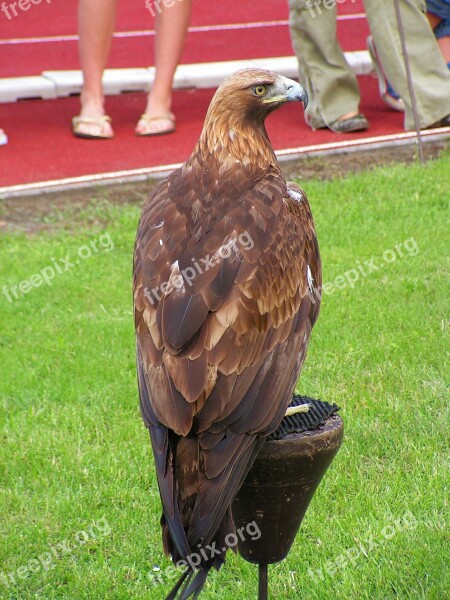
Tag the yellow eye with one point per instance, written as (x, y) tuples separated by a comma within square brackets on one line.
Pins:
[(259, 90)]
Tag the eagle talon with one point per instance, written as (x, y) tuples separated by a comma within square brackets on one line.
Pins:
[(294, 410)]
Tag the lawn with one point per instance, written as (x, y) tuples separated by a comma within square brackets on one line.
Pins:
[(78, 498)]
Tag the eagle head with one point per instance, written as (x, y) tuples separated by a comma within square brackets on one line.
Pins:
[(253, 93), (238, 110)]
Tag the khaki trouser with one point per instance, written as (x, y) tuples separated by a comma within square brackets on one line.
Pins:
[(430, 74), (331, 85)]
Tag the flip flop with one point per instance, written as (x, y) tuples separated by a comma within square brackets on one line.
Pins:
[(98, 122), (149, 132)]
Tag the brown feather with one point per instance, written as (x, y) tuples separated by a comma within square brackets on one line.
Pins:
[(225, 260)]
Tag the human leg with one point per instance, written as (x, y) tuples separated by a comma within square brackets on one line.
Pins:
[(171, 29), (96, 20), (430, 75), (323, 70), (438, 14), (387, 92)]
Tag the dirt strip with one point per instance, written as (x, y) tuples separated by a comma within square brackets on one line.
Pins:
[(69, 209)]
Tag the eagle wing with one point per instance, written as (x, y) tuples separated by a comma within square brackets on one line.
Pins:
[(225, 294)]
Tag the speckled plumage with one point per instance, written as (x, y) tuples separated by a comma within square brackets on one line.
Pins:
[(219, 351)]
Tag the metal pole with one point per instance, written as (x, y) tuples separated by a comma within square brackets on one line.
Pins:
[(409, 78), (263, 586)]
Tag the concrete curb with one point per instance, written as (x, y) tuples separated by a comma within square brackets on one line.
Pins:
[(59, 84)]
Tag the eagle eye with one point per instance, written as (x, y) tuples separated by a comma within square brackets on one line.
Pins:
[(260, 90)]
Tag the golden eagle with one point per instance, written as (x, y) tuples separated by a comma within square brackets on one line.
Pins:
[(226, 280)]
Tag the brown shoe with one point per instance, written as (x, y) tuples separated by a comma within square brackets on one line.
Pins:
[(350, 124), (445, 122)]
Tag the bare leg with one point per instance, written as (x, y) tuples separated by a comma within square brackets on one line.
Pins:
[(444, 45), (433, 19), (443, 42), (96, 19), (171, 29)]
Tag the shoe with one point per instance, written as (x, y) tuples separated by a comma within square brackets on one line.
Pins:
[(95, 124), (445, 122), (350, 124), (3, 138), (149, 122), (387, 92)]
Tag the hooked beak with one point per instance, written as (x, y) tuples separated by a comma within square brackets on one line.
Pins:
[(288, 90), (296, 93)]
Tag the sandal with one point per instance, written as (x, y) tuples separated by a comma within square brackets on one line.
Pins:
[(97, 124), (150, 131), (348, 125)]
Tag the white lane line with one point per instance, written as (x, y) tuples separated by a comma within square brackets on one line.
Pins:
[(151, 32), (369, 142)]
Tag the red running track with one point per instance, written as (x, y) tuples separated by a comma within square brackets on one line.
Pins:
[(44, 37), (41, 145)]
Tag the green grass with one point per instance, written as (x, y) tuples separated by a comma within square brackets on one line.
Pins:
[(74, 453)]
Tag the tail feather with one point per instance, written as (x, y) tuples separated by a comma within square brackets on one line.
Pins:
[(196, 586), (174, 591), (187, 587)]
